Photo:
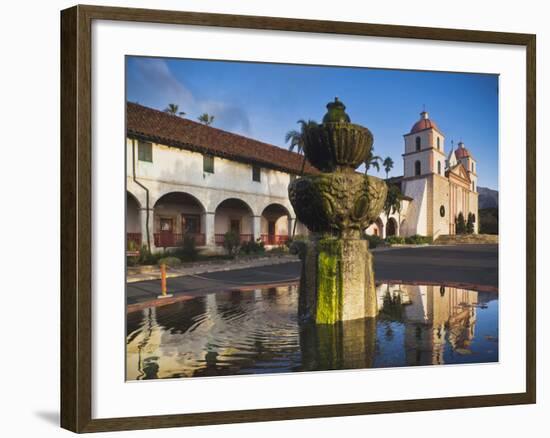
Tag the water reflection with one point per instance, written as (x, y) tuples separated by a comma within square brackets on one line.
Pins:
[(251, 332)]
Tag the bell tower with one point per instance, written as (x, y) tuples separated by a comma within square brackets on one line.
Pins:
[(465, 157), (424, 149), (424, 179)]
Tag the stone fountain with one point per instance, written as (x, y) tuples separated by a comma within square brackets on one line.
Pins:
[(337, 205)]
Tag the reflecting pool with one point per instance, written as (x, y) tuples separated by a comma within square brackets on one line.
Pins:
[(252, 332)]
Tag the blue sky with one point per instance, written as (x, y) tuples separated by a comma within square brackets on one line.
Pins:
[(264, 101)]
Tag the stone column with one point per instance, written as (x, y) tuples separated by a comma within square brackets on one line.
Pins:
[(337, 282), (209, 229), (143, 226), (257, 226), (291, 222)]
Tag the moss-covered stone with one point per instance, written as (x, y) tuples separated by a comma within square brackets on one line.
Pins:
[(329, 282), (337, 281)]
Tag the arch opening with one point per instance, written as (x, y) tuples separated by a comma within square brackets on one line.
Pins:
[(391, 227), (275, 227), (178, 215), (376, 228), (234, 215), (133, 223)]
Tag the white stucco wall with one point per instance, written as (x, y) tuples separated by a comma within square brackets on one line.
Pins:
[(417, 210), (440, 198), (176, 170)]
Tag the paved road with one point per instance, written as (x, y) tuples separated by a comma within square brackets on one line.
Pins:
[(476, 264), (214, 281)]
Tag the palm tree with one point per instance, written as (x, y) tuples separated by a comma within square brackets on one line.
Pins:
[(393, 200), (372, 161), (173, 109), (206, 118), (388, 165), (296, 138)]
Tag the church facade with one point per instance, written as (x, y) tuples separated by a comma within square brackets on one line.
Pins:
[(437, 186)]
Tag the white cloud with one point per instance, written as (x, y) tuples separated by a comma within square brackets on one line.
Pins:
[(163, 86)]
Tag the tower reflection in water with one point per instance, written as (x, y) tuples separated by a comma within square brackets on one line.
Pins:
[(252, 332)]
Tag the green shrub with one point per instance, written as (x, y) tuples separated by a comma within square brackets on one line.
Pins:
[(417, 239), (460, 224), (188, 250), (395, 240), (296, 238), (132, 261), (279, 250), (132, 246), (231, 241), (470, 223), (252, 247), (146, 257), (373, 240), (169, 261)]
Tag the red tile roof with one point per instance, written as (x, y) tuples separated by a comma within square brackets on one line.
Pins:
[(423, 124), (462, 152), (163, 128)]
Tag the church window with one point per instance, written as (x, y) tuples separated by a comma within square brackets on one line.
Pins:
[(439, 167), (256, 173), (417, 169), (208, 163), (442, 211), (473, 167), (417, 143), (438, 143), (473, 186), (145, 151)]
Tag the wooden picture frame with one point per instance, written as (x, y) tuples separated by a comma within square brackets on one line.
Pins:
[(76, 217)]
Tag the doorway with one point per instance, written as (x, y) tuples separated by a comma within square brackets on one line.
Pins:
[(271, 232), (235, 226)]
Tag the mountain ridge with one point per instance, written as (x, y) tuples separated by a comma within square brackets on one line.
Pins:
[(488, 198)]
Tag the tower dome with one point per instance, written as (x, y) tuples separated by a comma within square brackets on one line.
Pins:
[(423, 123), (462, 152)]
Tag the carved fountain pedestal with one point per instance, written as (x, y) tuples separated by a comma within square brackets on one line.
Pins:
[(337, 205)]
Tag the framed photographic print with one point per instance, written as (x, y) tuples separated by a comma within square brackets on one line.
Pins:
[(268, 218)]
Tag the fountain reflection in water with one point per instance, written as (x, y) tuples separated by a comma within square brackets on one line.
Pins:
[(252, 332)]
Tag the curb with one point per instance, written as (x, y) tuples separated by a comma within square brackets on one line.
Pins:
[(156, 302), (209, 269)]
